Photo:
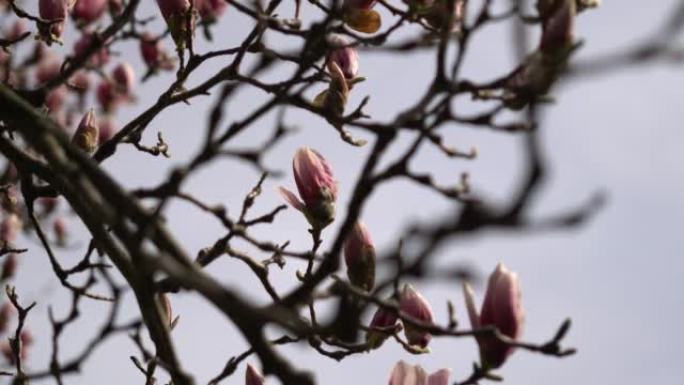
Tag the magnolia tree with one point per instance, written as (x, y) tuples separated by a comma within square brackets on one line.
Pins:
[(59, 122)]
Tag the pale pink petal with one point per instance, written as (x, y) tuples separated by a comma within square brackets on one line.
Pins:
[(440, 377), (470, 306), (291, 198)]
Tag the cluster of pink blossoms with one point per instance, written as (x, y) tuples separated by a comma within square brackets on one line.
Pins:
[(502, 306)]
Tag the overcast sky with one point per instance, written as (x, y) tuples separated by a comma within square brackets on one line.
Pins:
[(618, 277)]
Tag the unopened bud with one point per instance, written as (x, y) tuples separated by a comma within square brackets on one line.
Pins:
[(154, 54), (359, 254), (316, 185), (413, 304), (210, 10), (124, 78), (502, 308), (87, 11), (344, 56), (86, 134), (383, 319), (175, 13), (55, 12)]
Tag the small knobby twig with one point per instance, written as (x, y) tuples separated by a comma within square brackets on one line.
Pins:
[(16, 341)]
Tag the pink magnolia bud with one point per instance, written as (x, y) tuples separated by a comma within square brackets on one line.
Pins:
[(252, 376), (558, 26), (107, 96), (502, 308), (9, 228), (405, 374), (86, 134), (6, 312), (317, 188), (124, 78), (210, 10), (413, 304), (175, 13), (107, 128), (51, 10), (359, 4), (61, 232), (154, 54), (9, 267), (382, 319), (87, 11), (359, 253), (99, 58), (344, 56)]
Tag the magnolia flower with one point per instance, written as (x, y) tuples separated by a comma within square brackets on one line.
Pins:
[(87, 11), (175, 13), (316, 185), (344, 56), (210, 10), (252, 376), (154, 54), (413, 304), (502, 308), (54, 11), (86, 134), (107, 96), (359, 253), (124, 78), (405, 374), (382, 319)]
